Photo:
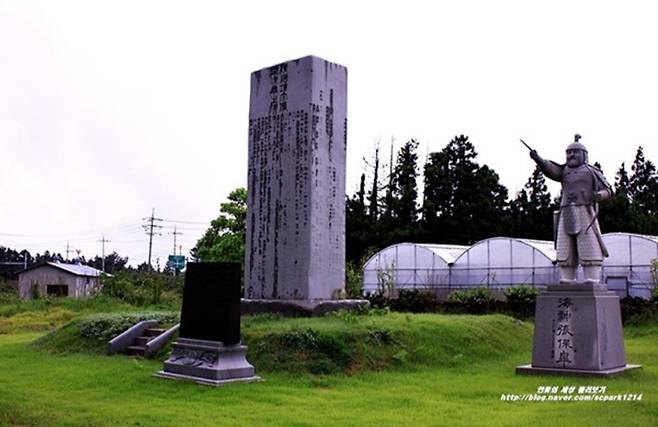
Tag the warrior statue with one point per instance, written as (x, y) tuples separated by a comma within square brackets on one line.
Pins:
[(578, 236)]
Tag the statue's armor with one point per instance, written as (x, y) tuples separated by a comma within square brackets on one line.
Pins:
[(584, 245), (577, 186)]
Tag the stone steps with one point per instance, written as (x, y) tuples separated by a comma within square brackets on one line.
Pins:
[(138, 347)]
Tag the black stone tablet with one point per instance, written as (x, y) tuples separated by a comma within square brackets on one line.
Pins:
[(211, 302)]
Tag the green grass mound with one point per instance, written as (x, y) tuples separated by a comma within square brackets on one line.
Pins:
[(32, 321), (90, 334), (337, 343), (95, 304), (349, 343)]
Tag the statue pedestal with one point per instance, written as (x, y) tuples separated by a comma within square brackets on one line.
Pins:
[(208, 362), (578, 331)]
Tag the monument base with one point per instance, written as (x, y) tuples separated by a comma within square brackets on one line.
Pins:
[(302, 308), (208, 362), (578, 331)]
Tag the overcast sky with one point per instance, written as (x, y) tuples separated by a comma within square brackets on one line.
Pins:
[(109, 109)]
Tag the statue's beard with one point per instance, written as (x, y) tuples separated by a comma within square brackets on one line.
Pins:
[(574, 163)]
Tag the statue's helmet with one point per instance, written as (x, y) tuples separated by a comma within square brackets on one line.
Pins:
[(577, 145)]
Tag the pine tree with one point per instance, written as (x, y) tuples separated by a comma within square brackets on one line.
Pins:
[(358, 225), (463, 201), (615, 214), (532, 211), (643, 185), (404, 193)]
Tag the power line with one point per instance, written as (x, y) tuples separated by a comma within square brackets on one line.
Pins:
[(187, 222), (122, 225)]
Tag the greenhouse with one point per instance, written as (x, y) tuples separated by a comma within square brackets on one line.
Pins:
[(502, 262), (409, 266), (627, 270)]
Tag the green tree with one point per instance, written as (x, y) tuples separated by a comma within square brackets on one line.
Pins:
[(643, 192), (113, 263), (404, 192), (531, 211), (358, 224), (464, 202), (225, 239), (615, 213), (643, 183)]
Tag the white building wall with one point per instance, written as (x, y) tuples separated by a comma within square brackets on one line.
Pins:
[(78, 286)]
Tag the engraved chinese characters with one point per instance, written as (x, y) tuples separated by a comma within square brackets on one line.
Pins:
[(563, 347), (295, 246)]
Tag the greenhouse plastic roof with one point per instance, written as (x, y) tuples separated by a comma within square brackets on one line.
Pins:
[(641, 236), (545, 247), (449, 253)]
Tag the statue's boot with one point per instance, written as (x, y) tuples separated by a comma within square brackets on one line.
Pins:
[(567, 275), (592, 274)]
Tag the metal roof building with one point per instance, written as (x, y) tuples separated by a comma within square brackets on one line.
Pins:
[(58, 279)]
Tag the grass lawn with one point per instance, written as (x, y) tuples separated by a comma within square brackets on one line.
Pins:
[(442, 370)]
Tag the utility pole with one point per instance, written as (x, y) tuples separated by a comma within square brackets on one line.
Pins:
[(67, 250), (103, 240), (149, 230)]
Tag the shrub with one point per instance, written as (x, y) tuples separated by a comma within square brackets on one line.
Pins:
[(319, 352), (415, 301), (353, 280), (636, 310), (472, 301), (107, 326), (8, 294), (34, 291), (385, 281), (521, 301), (141, 288), (378, 300)]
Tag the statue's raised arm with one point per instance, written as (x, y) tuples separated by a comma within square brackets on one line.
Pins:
[(548, 167)]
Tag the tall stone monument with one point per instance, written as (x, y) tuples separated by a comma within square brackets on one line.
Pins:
[(578, 328), (295, 248)]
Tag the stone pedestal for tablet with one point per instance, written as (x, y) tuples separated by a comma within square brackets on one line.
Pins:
[(208, 362), (209, 349), (578, 331)]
